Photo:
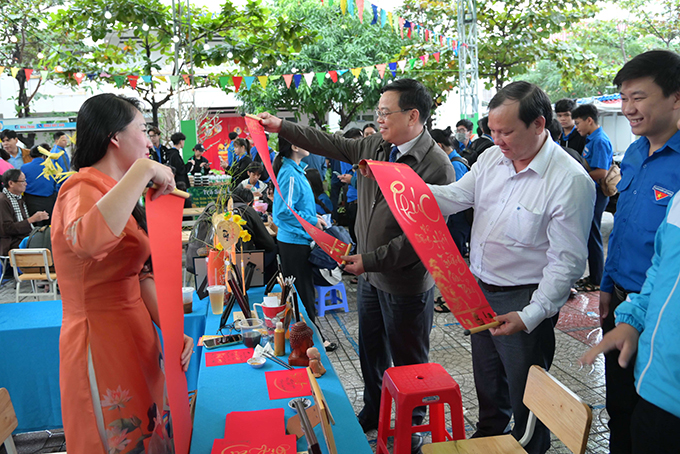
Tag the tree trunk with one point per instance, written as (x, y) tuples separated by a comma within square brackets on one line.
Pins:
[(22, 100)]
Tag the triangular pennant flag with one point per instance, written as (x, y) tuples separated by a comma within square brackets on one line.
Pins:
[(369, 70), (383, 18), (132, 79), (28, 73), (343, 6), (319, 78), (78, 77), (360, 10), (330, 3), (441, 40), (393, 68), (104, 74), (424, 59), (237, 82), (119, 81), (391, 20), (273, 78), (174, 80), (91, 76), (427, 35), (412, 63), (2, 69), (263, 81), (15, 71), (223, 80), (454, 45), (146, 79), (436, 56), (43, 74), (341, 72), (402, 65), (408, 25), (381, 69), (249, 81), (297, 78), (334, 75), (356, 72), (401, 27), (375, 14), (350, 7), (288, 78), (187, 79), (309, 77)]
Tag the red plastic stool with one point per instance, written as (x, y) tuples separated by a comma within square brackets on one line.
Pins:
[(413, 386)]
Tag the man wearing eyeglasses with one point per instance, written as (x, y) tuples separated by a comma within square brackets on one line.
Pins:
[(395, 293), (158, 152)]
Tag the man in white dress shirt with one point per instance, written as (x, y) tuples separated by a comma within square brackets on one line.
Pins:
[(533, 208)]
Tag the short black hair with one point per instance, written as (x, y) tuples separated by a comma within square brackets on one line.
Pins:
[(555, 129), (243, 194), (442, 136), (465, 123), (10, 175), (412, 95), (232, 135), (565, 105), (353, 133), (35, 153), (483, 125), (255, 167), (177, 137), (57, 135), (369, 125), (585, 111), (155, 130), (662, 66), (8, 134), (533, 102)]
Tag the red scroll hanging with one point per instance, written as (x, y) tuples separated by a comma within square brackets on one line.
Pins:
[(418, 215), (332, 246), (164, 219)]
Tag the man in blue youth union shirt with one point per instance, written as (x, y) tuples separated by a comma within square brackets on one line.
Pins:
[(650, 175)]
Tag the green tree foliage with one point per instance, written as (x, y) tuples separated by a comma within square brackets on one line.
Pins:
[(656, 18), (141, 37)]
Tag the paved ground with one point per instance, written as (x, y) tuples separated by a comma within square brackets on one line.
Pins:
[(577, 328)]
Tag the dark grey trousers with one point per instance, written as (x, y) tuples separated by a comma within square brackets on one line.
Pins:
[(501, 366)]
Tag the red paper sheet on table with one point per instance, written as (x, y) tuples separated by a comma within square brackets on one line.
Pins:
[(332, 246), (249, 423), (286, 384), (164, 220), (263, 443), (228, 357), (418, 215)]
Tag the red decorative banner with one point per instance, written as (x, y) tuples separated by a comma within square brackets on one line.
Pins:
[(418, 215), (164, 219), (228, 357), (286, 384), (332, 246)]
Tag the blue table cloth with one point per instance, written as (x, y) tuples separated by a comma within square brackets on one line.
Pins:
[(29, 359), (238, 387)]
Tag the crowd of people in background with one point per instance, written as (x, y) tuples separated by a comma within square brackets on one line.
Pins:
[(524, 191)]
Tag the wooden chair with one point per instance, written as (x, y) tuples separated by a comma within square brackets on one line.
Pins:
[(552, 403), (8, 421), (35, 265)]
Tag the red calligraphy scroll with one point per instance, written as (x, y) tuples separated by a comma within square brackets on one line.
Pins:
[(332, 246), (164, 219), (418, 215)]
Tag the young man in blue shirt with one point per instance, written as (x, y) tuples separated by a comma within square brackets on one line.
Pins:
[(598, 154), (650, 176), (569, 136)]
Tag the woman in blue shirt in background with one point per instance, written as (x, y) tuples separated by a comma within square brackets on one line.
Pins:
[(294, 241)]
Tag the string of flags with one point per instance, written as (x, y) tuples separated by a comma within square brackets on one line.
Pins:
[(381, 17)]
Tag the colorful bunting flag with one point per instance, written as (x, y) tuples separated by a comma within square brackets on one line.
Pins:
[(28, 73), (341, 71), (146, 79), (43, 74), (297, 78), (119, 81), (187, 79), (343, 6), (79, 77), (391, 20), (162, 78), (369, 70), (174, 80), (401, 27), (383, 18), (360, 10), (288, 78), (14, 71), (249, 81), (2, 69), (356, 72), (402, 65), (393, 68), (223, 81), (381, 70), (90, 76), (132, 79), (350, 7), (424, 59), (436, 56), (309, 77), (104, 74), (334, 76), (263, 81), (320, 77), (375, 14), (412, 63), (237, 82)]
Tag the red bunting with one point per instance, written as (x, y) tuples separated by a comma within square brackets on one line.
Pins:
[(28, 73), (288, 78), (418, 215), (333, 74), (237, 82), (381, 69), (132, 79), (436, 56), (360, 8), (187, 79), (79, 77)]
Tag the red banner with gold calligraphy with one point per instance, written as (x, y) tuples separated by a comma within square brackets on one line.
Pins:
[(418, 215), (332, 246)]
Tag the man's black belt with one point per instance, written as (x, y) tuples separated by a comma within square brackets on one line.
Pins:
[(497, 288), (620, 292)]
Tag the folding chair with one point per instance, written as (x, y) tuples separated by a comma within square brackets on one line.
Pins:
[(552, 403), (8, 421), (35, 267)]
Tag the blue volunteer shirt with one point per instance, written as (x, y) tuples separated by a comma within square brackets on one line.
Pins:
[(647, 185), (35, 184), (346, 168), (598, 151), (460, 168)]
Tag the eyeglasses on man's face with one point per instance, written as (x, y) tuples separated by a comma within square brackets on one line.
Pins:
[(382, 114)]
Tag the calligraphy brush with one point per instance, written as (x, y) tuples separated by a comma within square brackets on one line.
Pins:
[(307, 428), (277, 360), (270, 285), (296, 307)]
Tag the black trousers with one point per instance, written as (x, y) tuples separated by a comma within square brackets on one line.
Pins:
[(35, 203), (621, 397), (295, 262), (653, 430)]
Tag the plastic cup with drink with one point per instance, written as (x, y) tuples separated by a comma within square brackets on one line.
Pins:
[(216, 293)]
